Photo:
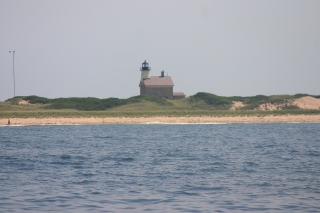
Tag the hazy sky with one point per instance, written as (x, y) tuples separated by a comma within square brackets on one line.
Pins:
[(95, 48)]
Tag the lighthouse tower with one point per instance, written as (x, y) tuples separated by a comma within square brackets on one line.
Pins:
[(145, 71)]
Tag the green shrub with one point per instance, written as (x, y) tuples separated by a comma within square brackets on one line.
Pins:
[(92, 104), (300, 95), (217, 102), (36, 99), (286, 107)]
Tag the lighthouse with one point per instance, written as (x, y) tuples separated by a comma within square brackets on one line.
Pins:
[(159, 86), (145, 71)]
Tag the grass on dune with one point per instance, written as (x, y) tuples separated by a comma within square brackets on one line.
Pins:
[(7, 106), (200, 104), (251, 102)]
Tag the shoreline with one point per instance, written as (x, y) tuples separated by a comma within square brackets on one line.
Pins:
[(162, 120)]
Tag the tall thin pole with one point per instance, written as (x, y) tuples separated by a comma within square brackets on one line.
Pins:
[(14, 79)]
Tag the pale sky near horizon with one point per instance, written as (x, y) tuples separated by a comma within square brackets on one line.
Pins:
[(81, 48)]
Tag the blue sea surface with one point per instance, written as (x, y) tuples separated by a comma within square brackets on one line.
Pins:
[(160, 168)]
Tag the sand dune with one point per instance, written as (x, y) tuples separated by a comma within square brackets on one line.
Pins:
[(307, 102), (237, 105)]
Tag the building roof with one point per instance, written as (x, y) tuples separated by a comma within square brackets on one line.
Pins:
[(178, 94), (158, 81)]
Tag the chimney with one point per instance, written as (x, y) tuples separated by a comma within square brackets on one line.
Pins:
[(162, 73)]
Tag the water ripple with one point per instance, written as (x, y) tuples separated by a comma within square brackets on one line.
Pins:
[(178, 168)]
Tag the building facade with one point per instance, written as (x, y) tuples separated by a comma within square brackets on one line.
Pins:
[(159, 86)]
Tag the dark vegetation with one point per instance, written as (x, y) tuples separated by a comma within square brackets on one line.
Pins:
[(88, 104), (218, 102)]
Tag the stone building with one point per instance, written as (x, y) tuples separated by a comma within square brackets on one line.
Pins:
[(160, 86)]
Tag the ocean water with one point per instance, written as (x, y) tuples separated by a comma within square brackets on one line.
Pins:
[(160, 168)]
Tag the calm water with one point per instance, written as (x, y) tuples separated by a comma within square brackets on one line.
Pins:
[(177, 168)]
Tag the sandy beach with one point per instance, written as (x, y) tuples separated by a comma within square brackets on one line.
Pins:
[(170, 120)]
